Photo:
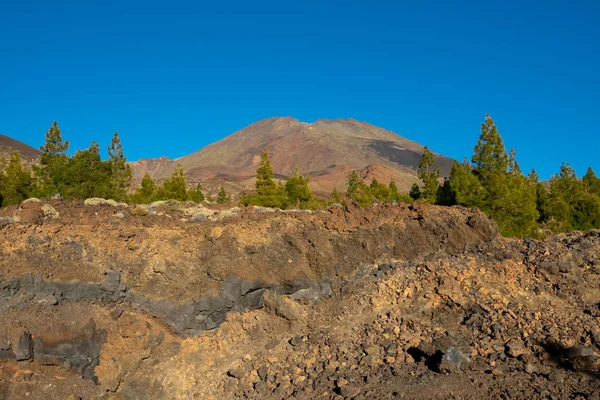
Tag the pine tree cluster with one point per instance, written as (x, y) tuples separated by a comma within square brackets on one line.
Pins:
[(491, 181), (84, 175), (521, 206)]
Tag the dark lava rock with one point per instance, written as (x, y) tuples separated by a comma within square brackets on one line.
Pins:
[(24, 347)]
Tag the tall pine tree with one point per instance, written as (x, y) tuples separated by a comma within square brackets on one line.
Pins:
[(358, 190), (120, 170), (297, 190), (146, 192), (52, 170), (463, 186), (174, 188), (430, 176), (268, 193)]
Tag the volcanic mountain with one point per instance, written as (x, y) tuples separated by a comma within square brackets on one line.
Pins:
[(326, 150), (9, 145)]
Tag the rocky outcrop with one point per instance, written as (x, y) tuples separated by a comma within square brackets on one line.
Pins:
[(187, 319), (389, 302)]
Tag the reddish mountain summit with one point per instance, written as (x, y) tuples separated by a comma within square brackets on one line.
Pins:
[(326, 150)]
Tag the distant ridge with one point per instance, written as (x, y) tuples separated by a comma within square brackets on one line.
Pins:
[(8, 145)]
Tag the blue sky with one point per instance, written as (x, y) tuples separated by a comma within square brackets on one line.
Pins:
[(173, 76)]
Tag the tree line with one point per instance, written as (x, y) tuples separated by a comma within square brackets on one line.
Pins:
[(85, 175), (522, 206), (491, 181)]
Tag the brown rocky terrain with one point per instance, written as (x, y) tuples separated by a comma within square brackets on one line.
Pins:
[(176, 301), (326, 150)]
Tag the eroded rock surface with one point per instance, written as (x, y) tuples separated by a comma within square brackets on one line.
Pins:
[(388, 302)]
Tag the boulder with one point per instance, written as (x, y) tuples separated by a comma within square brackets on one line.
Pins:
[(141, 211), (50, 212), (453, 361), (24, 347), (31, 200)]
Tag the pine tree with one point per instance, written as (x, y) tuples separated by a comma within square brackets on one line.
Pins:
[(541, 195), (297, 189), (566, 192), (393, 188), (415, 192), (146, 192), (465, 188), (268, 193), (513, 164), (379, 190), (53, 163), (335, 197), (490, 156), (429, 175), (196, 195), (445, 195), (86, 175), (120, 170), (591, 182), (354, 184), (533, 176), (174, 188), (358, 190), (519, 214), (16, 182), (222, 197), (54, 146)]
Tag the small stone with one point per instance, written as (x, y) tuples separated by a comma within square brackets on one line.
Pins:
[(48, 300), (296, 340), (373, 350), (530, 369), (236, 373), (551, 268), (116, 313), (31, 200), (349, 391), (198, 218), (453, 360), (24, 348), (262, 373), (515, 348), (341, 382), (565, 264), (230, 384), (140, 211), (260, 386)]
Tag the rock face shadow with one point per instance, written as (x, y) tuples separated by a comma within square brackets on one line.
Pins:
[(578, 358)]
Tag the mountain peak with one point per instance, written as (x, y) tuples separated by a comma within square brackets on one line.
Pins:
[(328, 150)]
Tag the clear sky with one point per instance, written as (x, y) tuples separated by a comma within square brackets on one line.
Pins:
[(173, 76)]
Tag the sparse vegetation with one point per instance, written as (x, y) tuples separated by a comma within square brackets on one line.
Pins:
[(223, 197), (491, 181)]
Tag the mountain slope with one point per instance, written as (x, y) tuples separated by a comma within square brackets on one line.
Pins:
[(8, 145), (326, 150)]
